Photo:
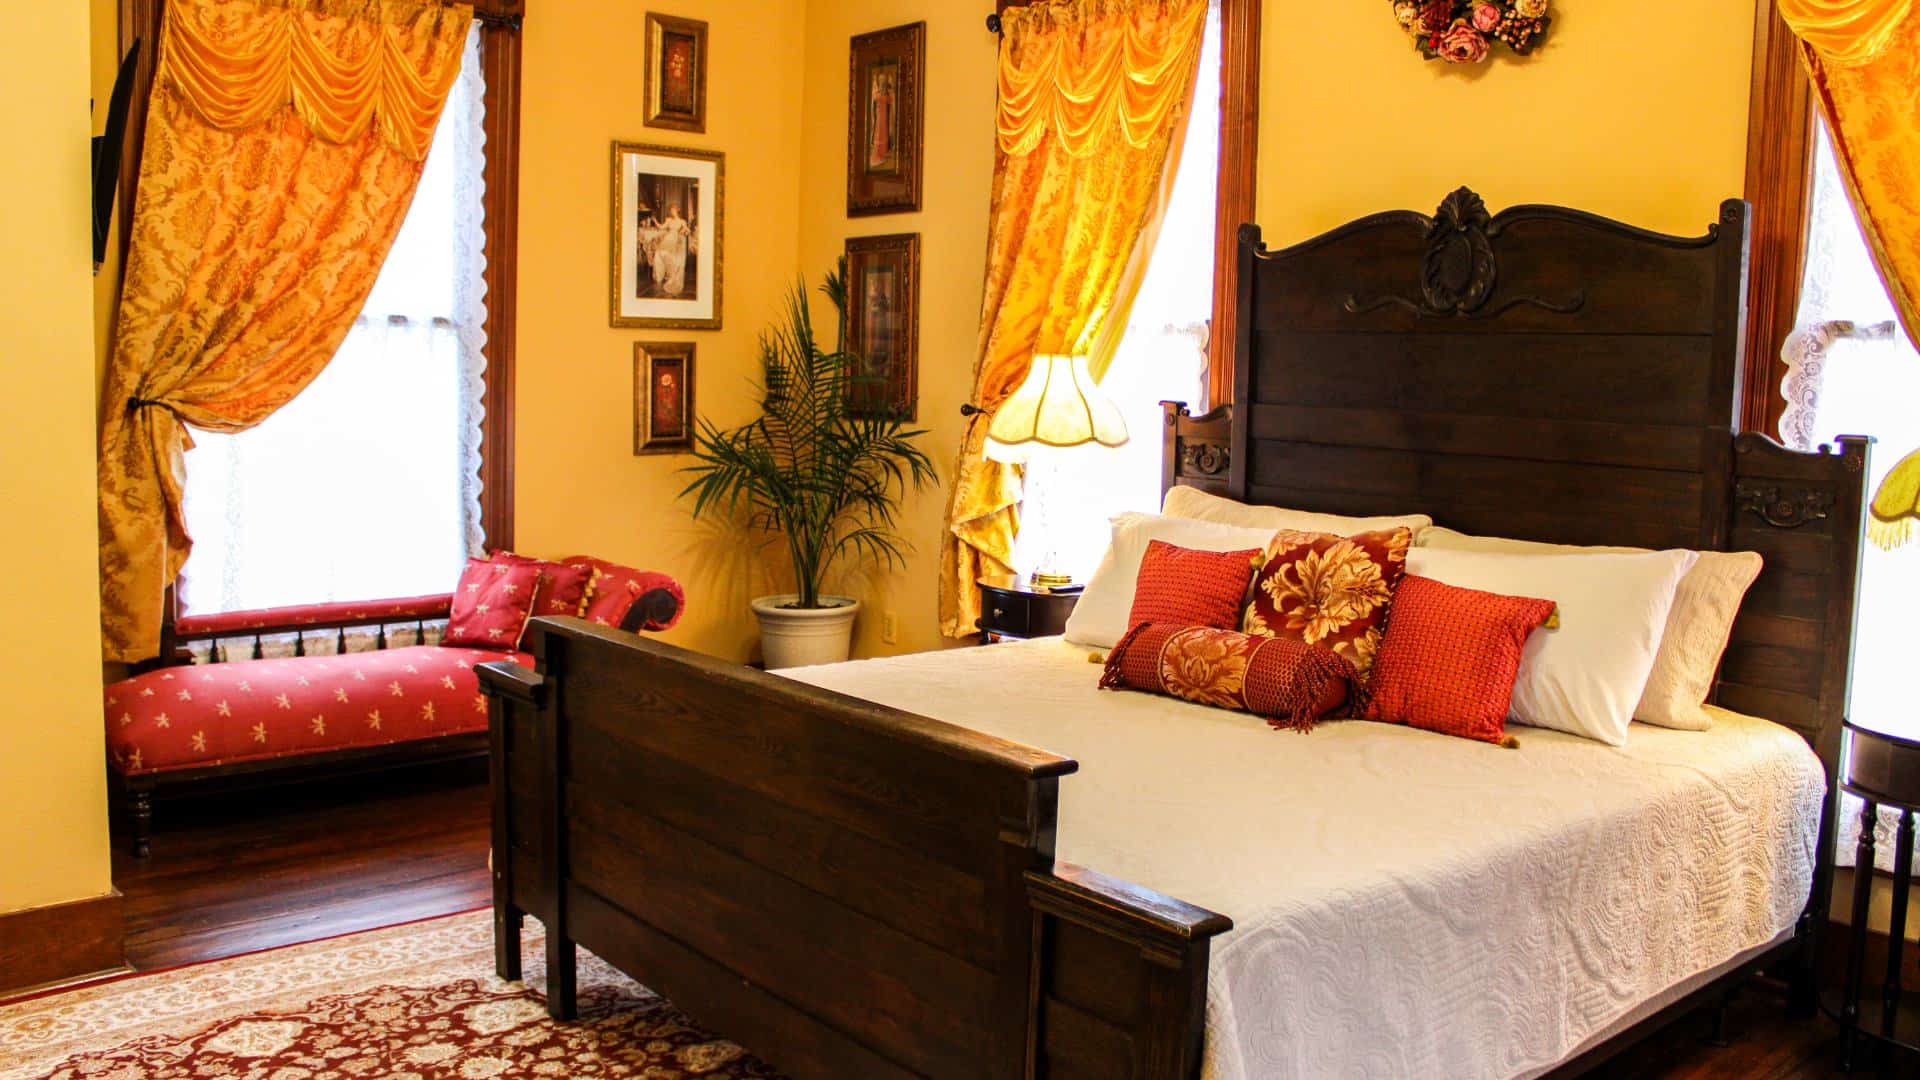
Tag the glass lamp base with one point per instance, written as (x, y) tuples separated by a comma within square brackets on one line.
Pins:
[(1050, 580)]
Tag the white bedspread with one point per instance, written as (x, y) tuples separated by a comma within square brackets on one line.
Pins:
[(1404, 904)]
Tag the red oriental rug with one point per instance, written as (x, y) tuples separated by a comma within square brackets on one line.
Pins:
[(414, 1002)]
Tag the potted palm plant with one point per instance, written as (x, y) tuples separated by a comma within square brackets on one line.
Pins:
[(813, 471)]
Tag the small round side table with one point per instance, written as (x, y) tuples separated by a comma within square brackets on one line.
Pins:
[(1882, 770)]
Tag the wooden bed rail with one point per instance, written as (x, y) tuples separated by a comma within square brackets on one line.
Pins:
[(850, 889)]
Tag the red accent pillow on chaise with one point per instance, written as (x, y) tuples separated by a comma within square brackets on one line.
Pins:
[(492, 603)]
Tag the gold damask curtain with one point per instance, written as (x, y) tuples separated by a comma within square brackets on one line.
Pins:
[(1093, 105), (284, 141), (1864, 60)]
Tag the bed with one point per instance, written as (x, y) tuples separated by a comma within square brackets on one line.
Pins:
[(863, 870)]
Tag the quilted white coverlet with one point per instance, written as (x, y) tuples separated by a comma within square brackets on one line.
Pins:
[(1404, 904)]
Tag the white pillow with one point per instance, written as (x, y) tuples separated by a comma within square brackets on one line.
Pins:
[(1186, 502), (1697, 628), (1099, 619), (1586, 676)]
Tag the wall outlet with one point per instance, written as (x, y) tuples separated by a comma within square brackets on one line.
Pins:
[(889, 627)]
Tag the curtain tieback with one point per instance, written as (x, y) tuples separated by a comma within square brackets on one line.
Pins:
[(134, 404)]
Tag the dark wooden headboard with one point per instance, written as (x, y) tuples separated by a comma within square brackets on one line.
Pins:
[(1546, 374)]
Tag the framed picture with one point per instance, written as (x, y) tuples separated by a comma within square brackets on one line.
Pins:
[(883, 323), (662, 397), (676, 82), (666, 237), (883, 120)]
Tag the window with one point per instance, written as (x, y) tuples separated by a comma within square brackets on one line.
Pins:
[(1850, 370), (1162, 356), (367, 485)]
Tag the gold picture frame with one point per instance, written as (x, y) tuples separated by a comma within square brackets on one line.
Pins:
[(667, 237), (663, 397), (886, 91), (883, 324), (675, 87)]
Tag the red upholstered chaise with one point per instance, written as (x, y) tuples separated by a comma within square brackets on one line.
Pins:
[(323, 708)]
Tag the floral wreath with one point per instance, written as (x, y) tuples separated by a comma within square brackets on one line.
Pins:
[(1463, 31)]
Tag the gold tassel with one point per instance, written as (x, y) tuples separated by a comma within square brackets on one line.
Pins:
[(1887, 535), (1553, 618), (1511, 742)]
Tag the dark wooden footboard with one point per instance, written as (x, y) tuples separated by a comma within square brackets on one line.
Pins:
[(844, 888)]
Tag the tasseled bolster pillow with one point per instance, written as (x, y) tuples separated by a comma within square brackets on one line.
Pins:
[(1289, 682)]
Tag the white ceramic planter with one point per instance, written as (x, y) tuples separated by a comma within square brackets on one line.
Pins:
[(796, 637)]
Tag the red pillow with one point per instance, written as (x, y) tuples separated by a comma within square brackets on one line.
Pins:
[(563, 589), (492, 603), (1329, 590), (1449, 659), (1191, 588), (617, 588), (1289, 682)]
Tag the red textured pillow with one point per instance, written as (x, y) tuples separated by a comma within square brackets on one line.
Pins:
[(1191, 588), (1289, 682), (1449, 659), (492, 603), (563, 588), (1329, 590)]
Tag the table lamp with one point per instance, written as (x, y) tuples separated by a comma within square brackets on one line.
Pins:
[(1058, 406)]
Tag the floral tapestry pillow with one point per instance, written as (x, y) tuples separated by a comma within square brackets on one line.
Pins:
[(1289, 682), (1329, 590)]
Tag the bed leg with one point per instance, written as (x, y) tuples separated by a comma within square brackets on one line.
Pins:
[(1717, 1035), (140, 822), (561, 979), (507, 921), (1803, 978)]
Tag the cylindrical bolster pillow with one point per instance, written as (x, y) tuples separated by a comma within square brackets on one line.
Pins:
[(1289, 682), (657, 608)]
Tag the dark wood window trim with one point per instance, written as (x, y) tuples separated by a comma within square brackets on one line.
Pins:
[(1779, 175), (500, 56), (1239, 154)]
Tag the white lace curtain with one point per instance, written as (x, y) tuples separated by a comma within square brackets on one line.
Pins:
[(1851, 371), (1163, 356), (367, 485)]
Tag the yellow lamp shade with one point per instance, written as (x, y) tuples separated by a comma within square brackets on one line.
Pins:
[(1894, 517), (1058, 405)]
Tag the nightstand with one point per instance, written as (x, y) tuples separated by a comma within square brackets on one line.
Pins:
[(1883, 770), (1011, 609)]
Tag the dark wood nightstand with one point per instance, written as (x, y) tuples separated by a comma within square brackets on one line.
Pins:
[(1011, 609), (1882, 770)]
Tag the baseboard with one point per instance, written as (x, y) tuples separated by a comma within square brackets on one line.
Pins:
[(61, 942)]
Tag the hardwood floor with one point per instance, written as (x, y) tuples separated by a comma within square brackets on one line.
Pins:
[(246, 872)]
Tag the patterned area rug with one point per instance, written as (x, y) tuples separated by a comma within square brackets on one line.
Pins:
[(415, 1002)]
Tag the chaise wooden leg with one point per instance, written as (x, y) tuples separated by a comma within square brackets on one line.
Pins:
[(507, 921), (140, 821)]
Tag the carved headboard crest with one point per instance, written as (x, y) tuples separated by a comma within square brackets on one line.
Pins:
[(1460, 269)]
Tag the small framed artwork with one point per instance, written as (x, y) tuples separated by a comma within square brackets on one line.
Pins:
[(662, 397), (883, 324), (883, 120), (665, 268), (676, 81)]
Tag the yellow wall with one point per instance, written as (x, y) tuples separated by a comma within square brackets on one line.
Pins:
[(53, 846), (578, 486), (953, 242), (1642, 122)]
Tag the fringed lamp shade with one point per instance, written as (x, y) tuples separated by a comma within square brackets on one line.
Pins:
[(1058, 405), (1894, 517)]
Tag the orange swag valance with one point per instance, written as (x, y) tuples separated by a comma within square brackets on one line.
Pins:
[(1863, 57), (1094, 98), (284, 141), (343, 66)]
